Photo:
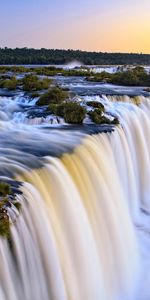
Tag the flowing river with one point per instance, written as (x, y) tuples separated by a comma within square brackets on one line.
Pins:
[(83, 232)]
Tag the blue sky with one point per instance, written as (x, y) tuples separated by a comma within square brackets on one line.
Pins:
[(109, 25)]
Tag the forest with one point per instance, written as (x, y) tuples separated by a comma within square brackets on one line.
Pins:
[(25, 56)]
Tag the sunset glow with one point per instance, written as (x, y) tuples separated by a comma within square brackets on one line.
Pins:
[(110, 25)]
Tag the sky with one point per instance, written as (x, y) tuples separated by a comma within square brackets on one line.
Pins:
[(93, 25)]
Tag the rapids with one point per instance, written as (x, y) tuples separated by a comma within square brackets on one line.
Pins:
[(83, 230)]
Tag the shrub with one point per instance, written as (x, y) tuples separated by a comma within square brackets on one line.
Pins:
[(48, 71), (45, 83), (125, 78), (17, 205), (55, 95), (4, 222), (10, 84), (136, 77), (98, 118), (6, 194), (57, 109), (74, 113), (75, 72), (33, 83), (5, 189)]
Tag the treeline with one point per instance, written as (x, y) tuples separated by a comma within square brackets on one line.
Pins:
[(25, 56)]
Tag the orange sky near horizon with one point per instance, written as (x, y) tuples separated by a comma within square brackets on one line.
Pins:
[(93, 25)]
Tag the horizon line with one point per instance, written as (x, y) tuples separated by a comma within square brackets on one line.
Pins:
[(69, 49)]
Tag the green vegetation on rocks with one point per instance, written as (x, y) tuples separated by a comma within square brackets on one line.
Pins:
[(43, 71), (5, 201), (72, 112), (75, 72), (59, 104), (55, 95), (4, 221), (8, 82), (98, 118), (11, 84), (57, 109), (96, 104), (29, 83), (5, 190), (33, 83), (14, 69), (132, 77), (48, 71)]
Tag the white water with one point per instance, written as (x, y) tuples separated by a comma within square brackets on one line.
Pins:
[(82, 232), (114, 69), (72, 65)]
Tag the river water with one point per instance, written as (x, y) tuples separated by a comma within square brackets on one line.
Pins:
[(83, 230)]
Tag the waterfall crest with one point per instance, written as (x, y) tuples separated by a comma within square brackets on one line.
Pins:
[(75, 237)]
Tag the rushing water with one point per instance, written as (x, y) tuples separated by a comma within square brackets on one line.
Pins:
[(83, 230)]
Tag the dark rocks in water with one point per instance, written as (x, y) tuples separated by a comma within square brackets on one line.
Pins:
[(4, 222), (5, 189), (35, 95), (88, 128), (13, 184), (98, 117), (96, 104), (7, 93), (82, 88), (17, 157), (39, 112), (147, 90)]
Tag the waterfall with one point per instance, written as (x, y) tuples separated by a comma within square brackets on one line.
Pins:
[(77, 237)]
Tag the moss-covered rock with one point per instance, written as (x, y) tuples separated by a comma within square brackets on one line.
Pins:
[(74, 113), (5, 189), (130, 77), (96, 104), (98, 118), (33, 83), (17, 205), (115, 121), (96, 115), (55, 95), (57, 109), (6, 200), (10, 83), (4, 222)]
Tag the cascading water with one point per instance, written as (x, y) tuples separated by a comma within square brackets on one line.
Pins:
[(84, 215)]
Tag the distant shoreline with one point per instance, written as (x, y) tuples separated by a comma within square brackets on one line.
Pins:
[(27, 56)]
